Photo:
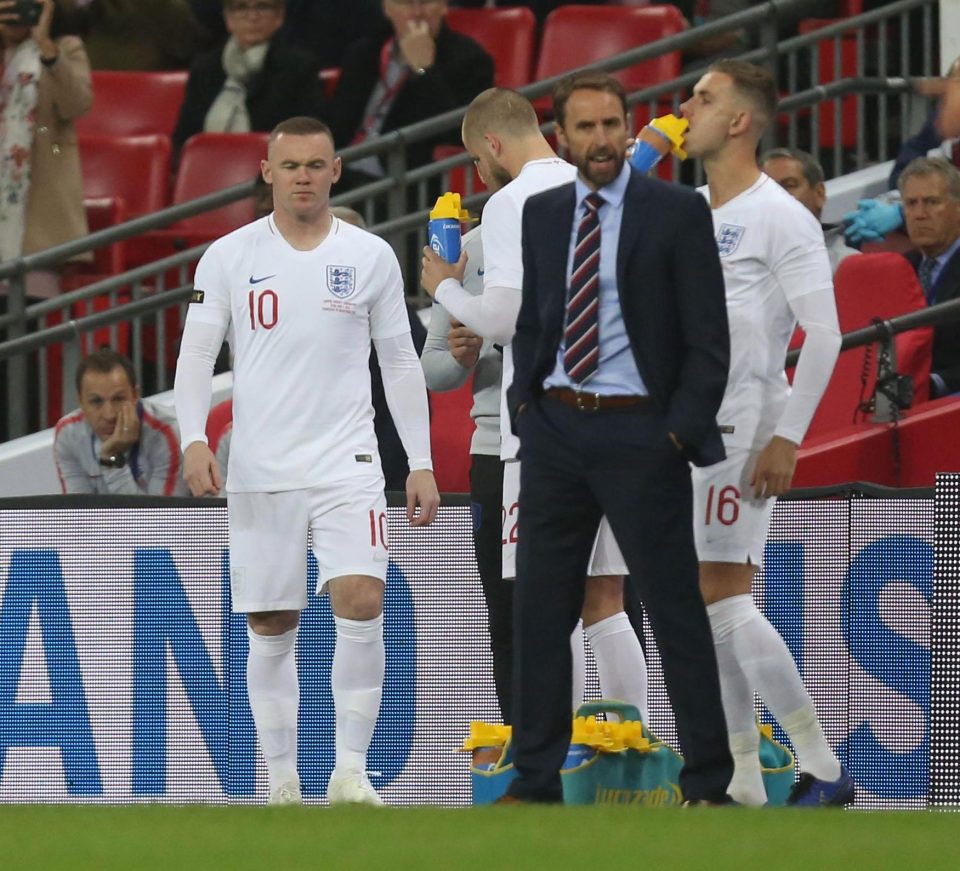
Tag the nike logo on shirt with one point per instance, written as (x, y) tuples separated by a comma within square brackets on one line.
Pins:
[(258, 280)]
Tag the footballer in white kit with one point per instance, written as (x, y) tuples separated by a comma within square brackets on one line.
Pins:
[(776, 272), (303, 320), (302, 295), (773, 257)]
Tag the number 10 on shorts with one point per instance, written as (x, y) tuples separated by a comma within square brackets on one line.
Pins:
[(378, 529)]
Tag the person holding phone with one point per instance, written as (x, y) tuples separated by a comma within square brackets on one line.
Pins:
[(44, 86)]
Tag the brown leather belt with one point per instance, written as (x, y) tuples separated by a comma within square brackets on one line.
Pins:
[(594, 401)]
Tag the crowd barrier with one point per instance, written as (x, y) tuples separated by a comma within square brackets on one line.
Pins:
[(121, 667)]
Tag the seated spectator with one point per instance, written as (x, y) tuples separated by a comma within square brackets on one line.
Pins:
[(115, 442), (930, 194), (940, 135), (254, 81), (317, 26), (413, 69), (801, 175)]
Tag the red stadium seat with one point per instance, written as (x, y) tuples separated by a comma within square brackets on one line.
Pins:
[(574, 36), (133, 103), (872, 286), (219, 418), (451, 429), (102, 212), (136, 169), (908, 455), (211, 162), (508, 33)]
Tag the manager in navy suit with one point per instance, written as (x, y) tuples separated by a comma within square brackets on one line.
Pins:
[(608, 427)]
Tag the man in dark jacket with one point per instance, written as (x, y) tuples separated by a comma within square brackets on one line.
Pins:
[(254, 81), (412, 70)]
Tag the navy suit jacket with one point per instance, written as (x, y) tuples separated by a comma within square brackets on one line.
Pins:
[(672, 300), (946, 336)]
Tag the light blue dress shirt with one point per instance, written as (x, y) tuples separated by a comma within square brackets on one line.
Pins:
[(617, 373)]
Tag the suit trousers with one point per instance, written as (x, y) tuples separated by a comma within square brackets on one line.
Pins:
[(576, 466), (486, 504)]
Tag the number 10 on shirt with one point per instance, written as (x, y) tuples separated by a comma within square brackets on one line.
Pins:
[(264, 308)]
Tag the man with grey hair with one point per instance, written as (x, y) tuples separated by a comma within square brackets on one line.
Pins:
[(800, 174), (930, 197)]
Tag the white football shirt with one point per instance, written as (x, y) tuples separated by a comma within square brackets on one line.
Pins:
[(300, 324), (500, 233), (772, 252)]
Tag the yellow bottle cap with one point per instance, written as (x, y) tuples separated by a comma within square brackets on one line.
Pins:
[(673, 128), (448, 206)]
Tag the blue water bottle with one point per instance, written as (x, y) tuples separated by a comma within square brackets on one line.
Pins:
[(656, 140), (444, 227)]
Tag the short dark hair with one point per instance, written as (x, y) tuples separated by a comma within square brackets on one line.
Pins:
[(105, 361), (591, 80), (809, 165), (752, 82), (301, 125), (920, 167)]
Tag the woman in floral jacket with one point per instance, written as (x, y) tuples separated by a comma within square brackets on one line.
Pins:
[(45, 85)]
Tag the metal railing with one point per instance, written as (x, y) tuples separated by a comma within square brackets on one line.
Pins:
[(397, 204)]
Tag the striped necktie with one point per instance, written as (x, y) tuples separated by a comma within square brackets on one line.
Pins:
[(581, 331), (925, 274)]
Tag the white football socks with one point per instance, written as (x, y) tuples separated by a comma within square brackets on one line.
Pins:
[(356, 680), (579, 665), (620, 661), (274, 694), (748, 644)]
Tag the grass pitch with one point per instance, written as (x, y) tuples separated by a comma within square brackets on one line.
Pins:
[(180, 838)]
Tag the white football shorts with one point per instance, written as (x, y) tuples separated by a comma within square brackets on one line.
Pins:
[(606, 558), (729, 524), (268, 541)]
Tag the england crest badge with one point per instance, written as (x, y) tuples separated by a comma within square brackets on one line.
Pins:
[(342, 281), (728, 238)]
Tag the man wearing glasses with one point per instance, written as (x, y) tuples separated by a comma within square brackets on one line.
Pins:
[(252, 82), (415, 67)]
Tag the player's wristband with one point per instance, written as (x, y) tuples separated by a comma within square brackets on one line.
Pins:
[(420, 465)]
